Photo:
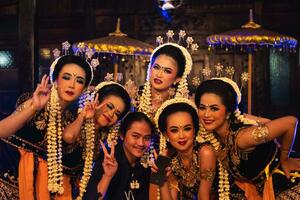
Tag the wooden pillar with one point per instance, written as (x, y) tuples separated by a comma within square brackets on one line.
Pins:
[(115, 72), (26, 45), (250, 83)]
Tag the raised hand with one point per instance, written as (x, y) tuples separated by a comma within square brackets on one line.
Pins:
[(41, 94), (290, 164), (109, 164), (154, 167), (88, 111)]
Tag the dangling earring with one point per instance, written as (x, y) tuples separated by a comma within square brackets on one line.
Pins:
[(168, 140), (227, 116), (171, 90)]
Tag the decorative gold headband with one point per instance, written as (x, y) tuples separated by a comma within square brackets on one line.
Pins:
[(171, 102), (186, 54), (233, 85), (52, 67), (106, 83)]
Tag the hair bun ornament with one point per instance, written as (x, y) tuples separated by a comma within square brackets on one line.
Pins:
[(233, 85), (176, 100), (106, 83), (89, 96), (171, 102), (52, 67), (180, 45), (240, 117), (66, 51)]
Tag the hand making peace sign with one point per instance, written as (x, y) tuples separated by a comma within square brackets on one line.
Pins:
[(89, 109), (109, 164)]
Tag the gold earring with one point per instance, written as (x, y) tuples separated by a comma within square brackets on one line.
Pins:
[(171, 92), (228, 116)]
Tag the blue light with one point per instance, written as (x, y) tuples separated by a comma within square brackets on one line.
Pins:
[(6, 59), (166, 15)]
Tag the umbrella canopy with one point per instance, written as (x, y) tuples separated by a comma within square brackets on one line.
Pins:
[(251, 36), (116, 43)]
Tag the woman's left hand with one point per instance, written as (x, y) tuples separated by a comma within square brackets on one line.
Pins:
[(154, 167), (290, 164), (109, 164)]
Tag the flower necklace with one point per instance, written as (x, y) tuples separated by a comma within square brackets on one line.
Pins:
[(89, 127), (54, 144)]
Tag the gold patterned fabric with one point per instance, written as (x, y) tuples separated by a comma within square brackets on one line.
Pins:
[(250, 166), (188, 179), (290, 194), (8, 191), (32, 138)]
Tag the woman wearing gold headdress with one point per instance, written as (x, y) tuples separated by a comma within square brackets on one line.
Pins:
[(192, 168), (247, 151), (33, 134), (169, 66)]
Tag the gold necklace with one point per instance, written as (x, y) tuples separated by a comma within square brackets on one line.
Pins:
[(189, 176)]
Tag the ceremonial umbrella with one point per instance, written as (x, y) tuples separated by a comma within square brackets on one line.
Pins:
[(116, 43), (250, 37)]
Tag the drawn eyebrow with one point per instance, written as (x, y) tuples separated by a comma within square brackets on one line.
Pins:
[(209, 105)]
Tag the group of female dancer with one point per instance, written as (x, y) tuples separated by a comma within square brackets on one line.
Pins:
[(207, 148)]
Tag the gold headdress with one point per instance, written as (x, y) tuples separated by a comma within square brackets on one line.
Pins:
[(105, 83), (113, 133), (182, 86), (166, 104), (54, 63)]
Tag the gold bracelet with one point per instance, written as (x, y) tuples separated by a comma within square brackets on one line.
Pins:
[(208, 174), (20, 108), (32, 107)]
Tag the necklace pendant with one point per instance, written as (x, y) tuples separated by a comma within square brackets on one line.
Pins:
[(134, 184)]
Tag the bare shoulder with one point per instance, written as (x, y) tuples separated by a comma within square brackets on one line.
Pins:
[(206, 151)]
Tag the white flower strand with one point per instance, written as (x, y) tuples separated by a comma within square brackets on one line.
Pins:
[(54, 145), (89, 128), (224, 186)]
